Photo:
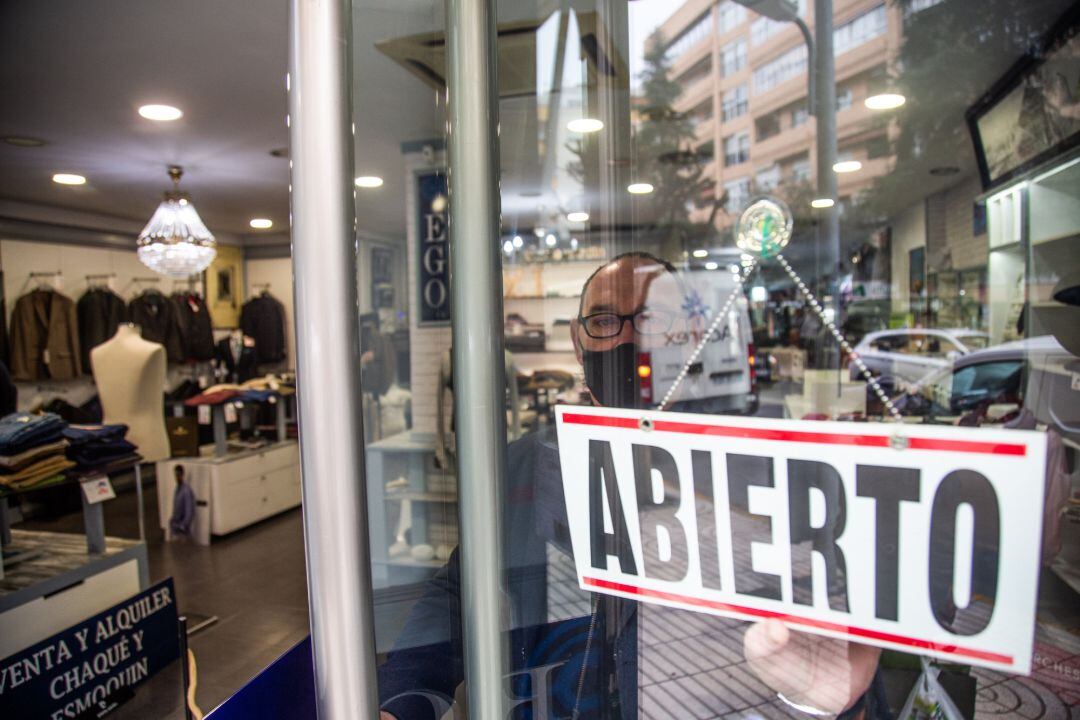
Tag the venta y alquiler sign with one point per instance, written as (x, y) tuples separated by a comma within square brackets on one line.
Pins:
[(77, 671), (923, 539)]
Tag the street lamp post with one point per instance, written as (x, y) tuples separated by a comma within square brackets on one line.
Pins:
[(821, 103)]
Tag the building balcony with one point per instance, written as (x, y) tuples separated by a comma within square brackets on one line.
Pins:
[(694, 93), (691, 57), (784, 144)]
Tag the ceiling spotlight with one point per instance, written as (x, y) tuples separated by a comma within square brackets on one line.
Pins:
[(641, 188), (585, 125), (161, 113), (369, 181), (68, 179), (25, 142), (847, 166), (518, 242), (438, 203), (884, 101), (700, 253), (551, 240), (711, 265), (573, 243), (508, 247), (539, 232), (578, 217), (261, 223), (822, 203)]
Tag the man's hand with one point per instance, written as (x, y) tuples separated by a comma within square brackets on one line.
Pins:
[(383, 715), (810, 670)]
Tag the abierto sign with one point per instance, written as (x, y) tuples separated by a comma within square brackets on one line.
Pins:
[(919, 538)]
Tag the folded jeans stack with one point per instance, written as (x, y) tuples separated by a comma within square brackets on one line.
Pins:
[(99, 447), (31, 449)]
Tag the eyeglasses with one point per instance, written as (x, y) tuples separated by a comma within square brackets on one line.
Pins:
[(604, 325)]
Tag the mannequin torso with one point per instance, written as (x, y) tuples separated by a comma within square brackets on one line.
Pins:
[(130, 377)]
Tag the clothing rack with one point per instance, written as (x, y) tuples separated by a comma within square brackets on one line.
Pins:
[(101, 276), (38, 276)]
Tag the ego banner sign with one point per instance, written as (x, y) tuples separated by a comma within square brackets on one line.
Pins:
[(922, 539)]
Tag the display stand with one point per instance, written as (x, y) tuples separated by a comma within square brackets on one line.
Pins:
[(414, 452)]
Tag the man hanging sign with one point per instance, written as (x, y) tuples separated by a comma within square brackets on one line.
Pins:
[(922, 539)]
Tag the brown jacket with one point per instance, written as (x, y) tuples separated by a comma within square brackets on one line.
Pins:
[(44, 337)]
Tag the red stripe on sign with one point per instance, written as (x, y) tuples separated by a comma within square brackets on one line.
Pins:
[(855, 632), (820, 438)]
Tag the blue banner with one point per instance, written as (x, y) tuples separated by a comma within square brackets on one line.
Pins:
[(433, 250), (76, 670)]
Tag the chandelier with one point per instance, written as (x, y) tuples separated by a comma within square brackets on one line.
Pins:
[(175, 242)]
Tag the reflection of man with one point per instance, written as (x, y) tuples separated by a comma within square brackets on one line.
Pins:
[(627, 306)]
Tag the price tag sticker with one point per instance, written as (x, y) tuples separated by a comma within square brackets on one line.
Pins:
[(97, 488), (204, 414), (230, 413)]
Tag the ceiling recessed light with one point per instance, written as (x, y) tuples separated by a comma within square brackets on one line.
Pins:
[(508, 247), (517, 241), (369, 181), (26, 142), (578, 216), (261, 223), (161, 113), (711, 265), (585, 125), (551, 240), (642, 188), (884, 101), (847, 166), (822, 203), (700, 253), (68, 179)]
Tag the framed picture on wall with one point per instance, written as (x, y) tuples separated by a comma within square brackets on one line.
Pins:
[(224, 281)]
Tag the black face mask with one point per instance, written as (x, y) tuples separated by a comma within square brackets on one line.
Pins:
[(612, 376)]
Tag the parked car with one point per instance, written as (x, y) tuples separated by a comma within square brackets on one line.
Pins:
[(1037, 372), (907, 356)]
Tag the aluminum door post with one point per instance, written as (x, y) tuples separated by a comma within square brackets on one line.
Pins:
[(328, 361), (476, 319)]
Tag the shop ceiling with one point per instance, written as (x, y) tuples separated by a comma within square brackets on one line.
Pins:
[(74, 73)]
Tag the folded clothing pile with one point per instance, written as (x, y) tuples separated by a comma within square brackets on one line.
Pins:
[(99, 447), (31, 449)]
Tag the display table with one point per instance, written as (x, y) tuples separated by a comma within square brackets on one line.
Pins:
[(233, 491), (62, 583)]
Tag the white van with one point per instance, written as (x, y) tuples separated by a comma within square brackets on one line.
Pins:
[(721, 379)]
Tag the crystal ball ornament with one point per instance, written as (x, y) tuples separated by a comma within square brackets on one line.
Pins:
[(764, 228)]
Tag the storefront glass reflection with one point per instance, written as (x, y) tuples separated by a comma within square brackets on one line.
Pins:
[(929, 281)]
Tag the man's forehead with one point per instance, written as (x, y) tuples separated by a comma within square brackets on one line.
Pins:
[(630, 282)]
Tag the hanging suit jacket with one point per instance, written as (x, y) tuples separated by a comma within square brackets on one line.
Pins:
[(196, 331), (45, 337), (155, 314), (263, 318), (240, 369), (100, 312)]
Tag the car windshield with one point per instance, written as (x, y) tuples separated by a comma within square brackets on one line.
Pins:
[(974, 342), (950, 392)]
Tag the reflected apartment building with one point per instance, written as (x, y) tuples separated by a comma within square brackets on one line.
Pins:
[(744, 88)]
